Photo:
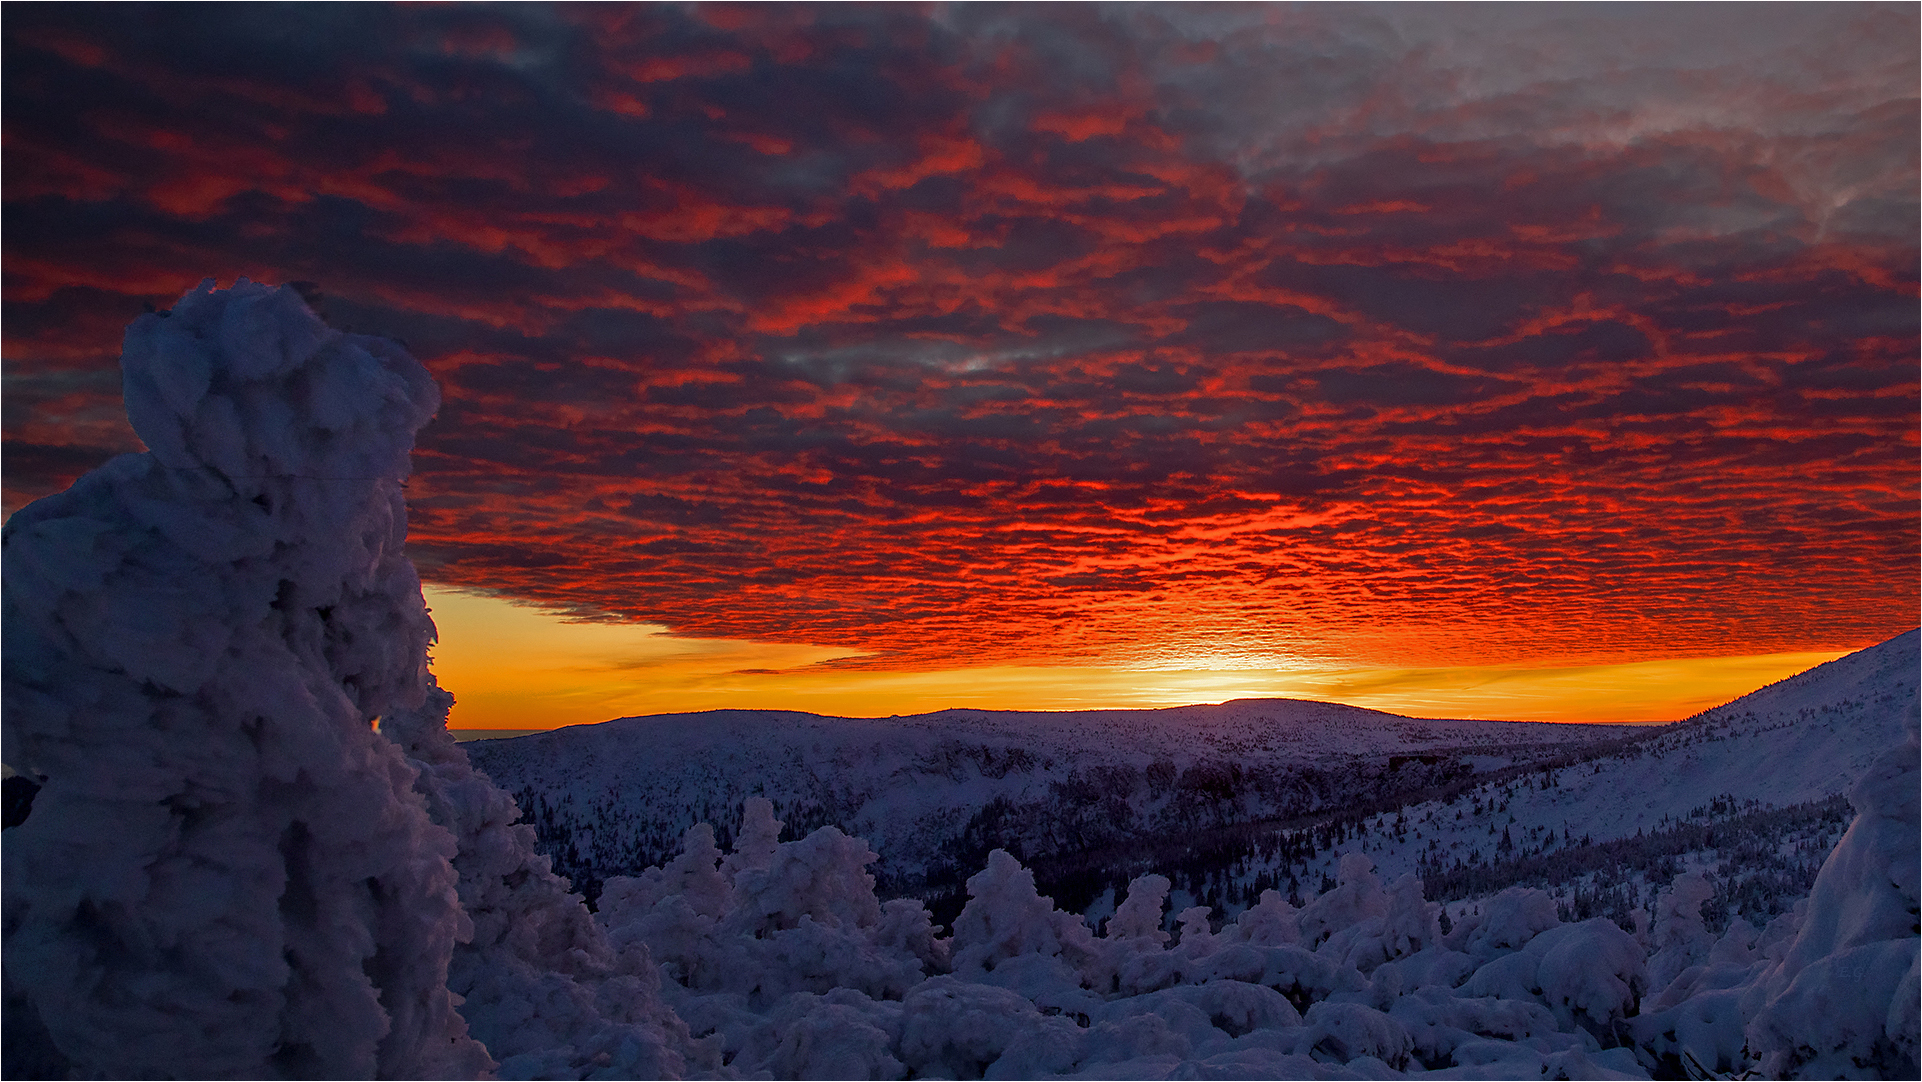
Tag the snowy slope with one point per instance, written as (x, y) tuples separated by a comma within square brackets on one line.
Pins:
[(1803, 739)]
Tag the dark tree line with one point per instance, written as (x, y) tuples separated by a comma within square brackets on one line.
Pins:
[(1753, 879)]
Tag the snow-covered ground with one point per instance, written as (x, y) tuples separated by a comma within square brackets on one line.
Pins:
[(1701, 839), (1364, 976), (1796, 741)]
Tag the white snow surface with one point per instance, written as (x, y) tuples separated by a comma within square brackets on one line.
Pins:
[(1801, 739), (1368, 985), (1361, 982)]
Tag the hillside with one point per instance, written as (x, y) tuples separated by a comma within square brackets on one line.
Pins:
[(1775, 761), (1227, 799), (934, 792), (1803, 739)]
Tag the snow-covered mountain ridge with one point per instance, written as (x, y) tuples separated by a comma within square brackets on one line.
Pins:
[(1290, 730), (934, 792), (625, 790)]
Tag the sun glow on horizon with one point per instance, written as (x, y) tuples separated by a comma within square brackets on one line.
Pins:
[(512, 666)]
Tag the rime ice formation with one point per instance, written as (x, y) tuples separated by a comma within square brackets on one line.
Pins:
[(1512, 991), (227, 872), (541, 986), (1845, 996)]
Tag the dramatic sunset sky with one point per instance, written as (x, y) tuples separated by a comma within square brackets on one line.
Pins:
[(1504, 361)]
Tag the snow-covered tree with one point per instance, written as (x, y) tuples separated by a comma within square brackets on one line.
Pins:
[(538, 980), (227, 871), (1845, 997)]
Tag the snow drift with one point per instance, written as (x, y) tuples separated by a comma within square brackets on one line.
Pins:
[(229, 871)]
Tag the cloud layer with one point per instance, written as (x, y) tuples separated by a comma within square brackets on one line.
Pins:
[(1236, 337)]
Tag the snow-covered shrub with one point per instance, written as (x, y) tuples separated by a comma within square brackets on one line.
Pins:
[(822, 878), (1357, 897), (1363, 925), (956, 1029), (1702, 1032), (1844, 998), (1590, 974), (1137, 920), (1506, 923), (907, 930), (757, 840), (1144, 1030), (1233, 1007), (695, 876), (541, 985), (226, 866), (1041, 1050), (1439, 1022), (1344, 1031), (1197, 934), (1300, 975), (1430, 967), (772, 919), (1006, 918), (1697, 1020), (1678, 935), (842, 1034), (1412, 923), (1270, 922)]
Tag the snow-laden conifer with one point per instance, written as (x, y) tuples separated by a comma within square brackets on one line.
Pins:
[(537, 980), (228, 872)]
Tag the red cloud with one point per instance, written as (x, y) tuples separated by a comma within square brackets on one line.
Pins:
[(864, 328)]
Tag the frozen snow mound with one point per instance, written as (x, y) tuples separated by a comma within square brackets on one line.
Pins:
[(780, 970), (1845, 997), (227, 866)]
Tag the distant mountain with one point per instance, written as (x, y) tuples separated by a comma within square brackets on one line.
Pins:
[(934, 792), (1090, 798)]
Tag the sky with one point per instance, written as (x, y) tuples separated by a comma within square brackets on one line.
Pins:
[(1508, 361)]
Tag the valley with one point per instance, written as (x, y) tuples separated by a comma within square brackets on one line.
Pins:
[(1234, 799)]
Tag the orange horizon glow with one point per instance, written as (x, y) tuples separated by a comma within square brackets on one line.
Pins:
[(515, 667)]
